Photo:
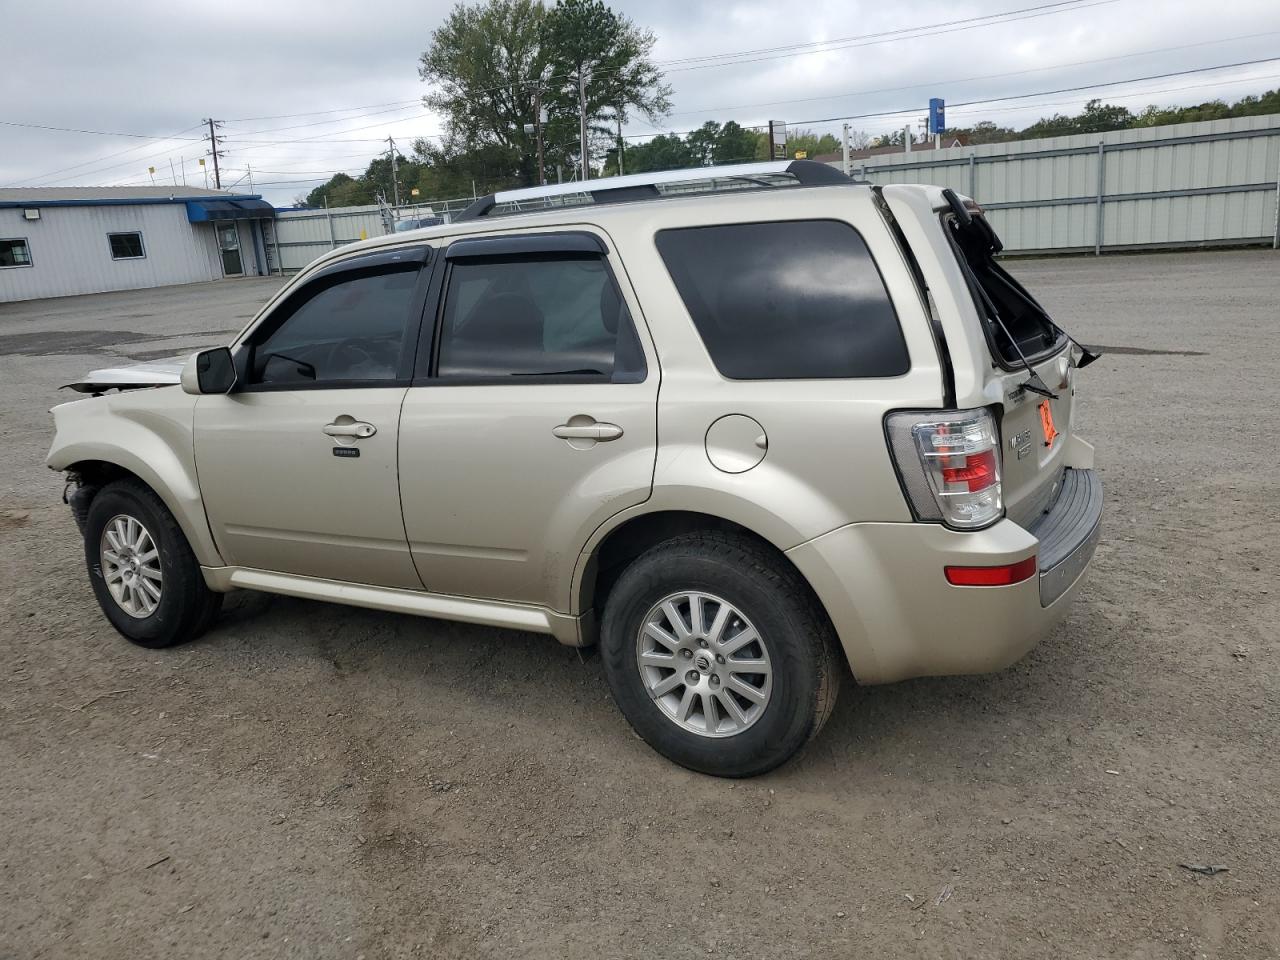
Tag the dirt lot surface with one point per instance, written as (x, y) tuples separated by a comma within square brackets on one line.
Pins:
[(311, 781)]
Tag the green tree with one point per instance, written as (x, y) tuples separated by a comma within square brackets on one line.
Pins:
[(984, 131), (601, 67), (736, 144), (487, 62), (811, 143)]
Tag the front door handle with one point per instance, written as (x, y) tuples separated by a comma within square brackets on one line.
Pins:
[(593, 430), (345, 427)]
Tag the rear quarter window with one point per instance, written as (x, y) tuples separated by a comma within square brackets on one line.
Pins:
[(791, 300)]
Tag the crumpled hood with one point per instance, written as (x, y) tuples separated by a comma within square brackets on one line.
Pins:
[(156, 373)]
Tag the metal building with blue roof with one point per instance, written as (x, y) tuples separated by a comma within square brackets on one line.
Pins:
[(63, 241)]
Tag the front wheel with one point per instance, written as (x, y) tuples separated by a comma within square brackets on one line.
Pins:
[(718, 655), (144, 575)]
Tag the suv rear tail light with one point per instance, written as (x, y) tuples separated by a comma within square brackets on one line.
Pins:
[(949, 462)]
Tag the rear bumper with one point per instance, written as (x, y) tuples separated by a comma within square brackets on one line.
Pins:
[(884, 587), (1068, 533)]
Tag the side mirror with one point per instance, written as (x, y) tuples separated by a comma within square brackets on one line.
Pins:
[(209, 371)]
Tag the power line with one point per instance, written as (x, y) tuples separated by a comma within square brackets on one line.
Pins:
[(1020, 96), (866, 36), (318, 123), (990, 76), (89, 163), (1046, 93), (100, 133), (313, 113), (908, 34)]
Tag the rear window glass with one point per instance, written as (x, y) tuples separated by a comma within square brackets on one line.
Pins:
[(1015, 322), (792, 300)]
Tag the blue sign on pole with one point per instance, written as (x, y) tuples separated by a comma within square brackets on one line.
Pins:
[(937, 115)]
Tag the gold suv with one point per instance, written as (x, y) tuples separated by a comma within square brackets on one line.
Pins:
[(740, 425)]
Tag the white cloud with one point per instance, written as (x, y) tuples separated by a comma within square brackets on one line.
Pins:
[(157, 68)]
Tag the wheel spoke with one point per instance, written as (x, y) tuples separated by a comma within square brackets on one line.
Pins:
[(150, 555), (717, 625), (676, 621), (695, 614), (150, 588), (655, 659), (711, 718), (657, 633), (686, 705), (730, 706), (746, 689), (749, 666), (667, 684), (740, 640), (113, 538)]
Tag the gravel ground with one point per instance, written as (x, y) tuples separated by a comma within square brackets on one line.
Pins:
[(311, 781)]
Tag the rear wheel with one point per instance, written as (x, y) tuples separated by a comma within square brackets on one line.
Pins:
[(718, 655), (144, 575)]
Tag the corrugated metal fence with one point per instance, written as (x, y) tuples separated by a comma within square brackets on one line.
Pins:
[(1188, 184), (302, 235)]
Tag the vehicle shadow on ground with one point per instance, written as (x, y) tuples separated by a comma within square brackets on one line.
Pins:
[(903, 729)]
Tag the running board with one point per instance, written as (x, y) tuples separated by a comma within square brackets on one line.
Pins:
[(492, 613)]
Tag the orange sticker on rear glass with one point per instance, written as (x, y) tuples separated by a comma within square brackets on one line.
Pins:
[(1046, 423)]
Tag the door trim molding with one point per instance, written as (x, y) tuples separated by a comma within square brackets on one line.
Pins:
[(493, 613)]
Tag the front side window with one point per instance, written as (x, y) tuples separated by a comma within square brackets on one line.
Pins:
[(789, 300), (537, 316), (126, 246), (15, 253), (349, 327)]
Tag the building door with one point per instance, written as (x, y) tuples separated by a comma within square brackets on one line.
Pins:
[(229, 247)]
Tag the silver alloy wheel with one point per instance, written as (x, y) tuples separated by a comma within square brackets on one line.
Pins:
[(704, 664), (131, 566)]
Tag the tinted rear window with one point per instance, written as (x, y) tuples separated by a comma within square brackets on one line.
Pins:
[(795, 300)]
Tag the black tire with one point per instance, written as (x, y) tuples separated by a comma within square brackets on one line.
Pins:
[(801, 646), (186, 607)]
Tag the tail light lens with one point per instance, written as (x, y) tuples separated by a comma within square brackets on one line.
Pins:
[(949, 463)]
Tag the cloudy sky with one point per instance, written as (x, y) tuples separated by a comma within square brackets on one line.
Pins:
[(305, 92)]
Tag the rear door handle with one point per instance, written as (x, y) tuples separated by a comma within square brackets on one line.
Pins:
[(600, 432), (351, 428)]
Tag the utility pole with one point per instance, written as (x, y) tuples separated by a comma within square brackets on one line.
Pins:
[(844, 146), (621, 172), (213, 149), (582, 121), (249, 170), (395, 173), (537, 129)]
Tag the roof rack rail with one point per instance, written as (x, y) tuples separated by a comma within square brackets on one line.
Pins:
[(645, 186)]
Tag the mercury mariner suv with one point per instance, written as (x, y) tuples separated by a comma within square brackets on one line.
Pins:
[(741, 426)]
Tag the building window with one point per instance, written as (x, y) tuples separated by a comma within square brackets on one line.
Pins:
[(126, 246), (15, 253)]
